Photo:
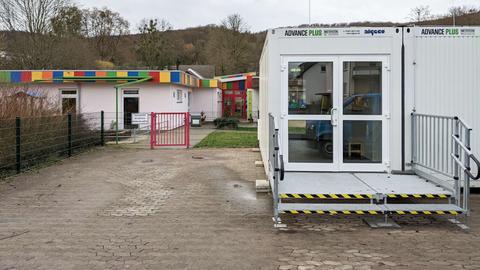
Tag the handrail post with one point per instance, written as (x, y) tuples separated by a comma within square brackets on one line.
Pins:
[(276, 177), (456, 167), (413, 140), (466, 186)]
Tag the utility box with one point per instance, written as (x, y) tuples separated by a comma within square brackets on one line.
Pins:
[(196, 120)]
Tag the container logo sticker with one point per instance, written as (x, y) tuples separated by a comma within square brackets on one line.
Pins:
[(446, 32), (374, 32), (351, 32), (467, 32), (304, 33), (330, 32)]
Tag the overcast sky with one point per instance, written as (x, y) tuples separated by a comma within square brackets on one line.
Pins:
[(264, 14)]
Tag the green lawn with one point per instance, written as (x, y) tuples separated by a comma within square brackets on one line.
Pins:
[(229, 139), (254, 129)]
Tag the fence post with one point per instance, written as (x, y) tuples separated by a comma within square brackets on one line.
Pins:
[(18, 157), (187, 129), (69, 121), (102, 128), (152, 130)]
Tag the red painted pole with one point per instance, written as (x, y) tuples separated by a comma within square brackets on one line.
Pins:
[(187, 130), (152, 130)]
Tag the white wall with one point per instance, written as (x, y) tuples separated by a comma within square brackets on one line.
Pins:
[(161, 98), (98, 97), (445, 76), (207, 100), (276, 46)]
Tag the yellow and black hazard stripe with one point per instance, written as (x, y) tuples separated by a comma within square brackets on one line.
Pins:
[(419, 196), (353, 212), (426, 212), (325, 196)]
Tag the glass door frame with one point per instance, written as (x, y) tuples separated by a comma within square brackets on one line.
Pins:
[(383, 117), (337, 103), (231, 109), (285, 116)]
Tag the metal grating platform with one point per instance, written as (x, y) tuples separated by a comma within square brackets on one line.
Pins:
[(357, 186)]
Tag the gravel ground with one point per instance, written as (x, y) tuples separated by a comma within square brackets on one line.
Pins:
[(118, 208)]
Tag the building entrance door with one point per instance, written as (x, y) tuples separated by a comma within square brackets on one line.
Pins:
[(335, 113), (234, 103)]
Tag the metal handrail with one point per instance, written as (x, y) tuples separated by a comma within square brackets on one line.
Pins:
[(282, 168), (278, 171), (469, 156), (441, 144)]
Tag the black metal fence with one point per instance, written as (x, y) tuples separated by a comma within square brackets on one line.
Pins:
[(28, 142)]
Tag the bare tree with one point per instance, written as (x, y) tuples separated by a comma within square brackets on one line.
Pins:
[(228, 45), (67, 22), (462, 10), (420, 13), (235, 23), (154, 49), (105, 27), (30, 45), (31, 16)]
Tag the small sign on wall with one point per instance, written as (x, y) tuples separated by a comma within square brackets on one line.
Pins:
[(139, 118)]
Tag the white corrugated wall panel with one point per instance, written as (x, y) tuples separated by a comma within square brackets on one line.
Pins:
[(447, 79)]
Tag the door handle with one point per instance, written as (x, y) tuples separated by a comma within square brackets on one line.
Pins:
[(333, 114)]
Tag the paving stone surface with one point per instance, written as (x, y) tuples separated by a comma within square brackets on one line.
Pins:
[(119, 208)]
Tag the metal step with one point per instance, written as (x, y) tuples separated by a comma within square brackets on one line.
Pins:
[(326, 196), (362, 196), (332, 209), (372, 209), (426, 209)]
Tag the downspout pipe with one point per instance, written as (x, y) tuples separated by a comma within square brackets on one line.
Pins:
[(194, 73)]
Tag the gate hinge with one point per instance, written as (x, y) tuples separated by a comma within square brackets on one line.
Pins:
[(283, 68)]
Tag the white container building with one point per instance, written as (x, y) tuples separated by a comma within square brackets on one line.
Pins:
[(369, 114)]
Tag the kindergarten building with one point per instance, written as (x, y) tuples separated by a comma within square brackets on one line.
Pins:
[(240, 96), (128, 92)]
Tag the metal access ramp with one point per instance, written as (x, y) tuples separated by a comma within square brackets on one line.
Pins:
[(358, 186), (362, 193), (439, 182)]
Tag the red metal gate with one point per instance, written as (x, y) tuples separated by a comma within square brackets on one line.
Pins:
[(170, 129)]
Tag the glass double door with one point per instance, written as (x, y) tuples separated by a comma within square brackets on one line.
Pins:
[(335, 113)]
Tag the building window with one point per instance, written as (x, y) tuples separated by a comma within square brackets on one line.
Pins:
[(179, 96), (69, 100)]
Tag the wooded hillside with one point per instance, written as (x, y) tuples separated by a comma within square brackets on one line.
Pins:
[(54, 34)]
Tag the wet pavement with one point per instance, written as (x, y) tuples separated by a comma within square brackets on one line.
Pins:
[(118, 208)]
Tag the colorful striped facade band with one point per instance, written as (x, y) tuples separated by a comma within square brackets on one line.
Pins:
[(98, 76)]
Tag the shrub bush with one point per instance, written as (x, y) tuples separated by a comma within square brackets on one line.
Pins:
[(44, 131), (226, 122)]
